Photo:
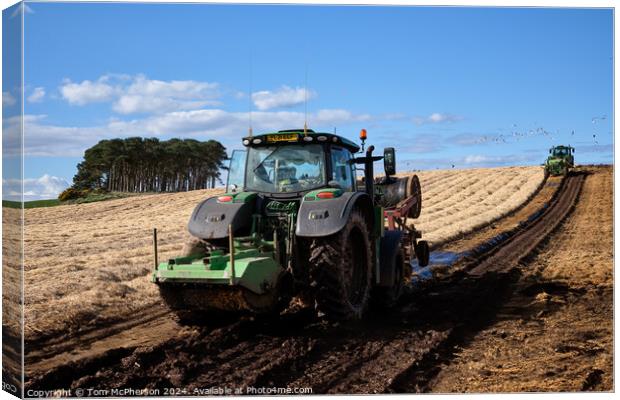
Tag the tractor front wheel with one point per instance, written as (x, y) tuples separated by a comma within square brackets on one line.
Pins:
[(341, 270)]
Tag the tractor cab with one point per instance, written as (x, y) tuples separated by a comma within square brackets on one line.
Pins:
[(292, 163), (561, 151)]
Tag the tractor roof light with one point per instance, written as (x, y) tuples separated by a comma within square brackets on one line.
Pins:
[(363, 134), (308, 138), (246, 142), (257, 141), (321, 138)]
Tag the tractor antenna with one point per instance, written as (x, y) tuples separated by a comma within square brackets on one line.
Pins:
[(306, 102), (250, 99)]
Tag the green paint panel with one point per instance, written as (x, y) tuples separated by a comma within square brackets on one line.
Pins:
[(243, 197), (254, 271)]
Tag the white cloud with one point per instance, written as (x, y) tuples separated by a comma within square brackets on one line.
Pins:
[(131, 104), (8, 99), (155, 96), (87, 92), (45, 187), (484, 160), (138, 94), (436, 118), (41, 139), (283, 97), (37, 95), (44, 139), (477, 159), (218, 122)]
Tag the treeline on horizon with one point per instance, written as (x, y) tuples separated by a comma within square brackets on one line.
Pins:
[(140, 165)]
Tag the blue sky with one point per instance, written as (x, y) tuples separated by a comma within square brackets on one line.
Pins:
[(469, 87)]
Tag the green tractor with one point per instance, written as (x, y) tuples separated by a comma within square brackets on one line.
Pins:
[(560, 160), (296, 222)]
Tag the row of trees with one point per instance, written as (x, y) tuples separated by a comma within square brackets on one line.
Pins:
[(138, 164)]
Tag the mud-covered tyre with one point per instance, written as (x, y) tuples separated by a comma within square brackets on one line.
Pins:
[(546, 173), (389, 296), (422, 253), (414, 189), (341, 270)]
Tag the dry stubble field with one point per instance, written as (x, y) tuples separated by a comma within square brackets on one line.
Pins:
[(89, 264)]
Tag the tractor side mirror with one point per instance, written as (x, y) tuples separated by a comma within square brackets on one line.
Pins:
[(389, 161)]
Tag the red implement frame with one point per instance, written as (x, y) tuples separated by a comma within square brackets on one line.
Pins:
[(397, 219), (397, 215)]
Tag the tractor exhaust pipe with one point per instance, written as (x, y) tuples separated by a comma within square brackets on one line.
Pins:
[(370, 174)]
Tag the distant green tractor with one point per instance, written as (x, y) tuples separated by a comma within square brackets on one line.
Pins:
[(560, 160), (294, 221)]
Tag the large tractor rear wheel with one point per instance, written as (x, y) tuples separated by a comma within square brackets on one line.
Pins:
[(341, 270)]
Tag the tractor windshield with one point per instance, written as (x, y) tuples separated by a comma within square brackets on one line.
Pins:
[(560, 151), (283, 169)]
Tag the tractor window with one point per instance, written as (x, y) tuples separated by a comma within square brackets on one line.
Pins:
[(560, 151), (284, 169), (234, 182), (342, 169)]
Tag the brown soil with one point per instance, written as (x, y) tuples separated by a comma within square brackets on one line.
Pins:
[(87, 266), (555, 333), (12, 279), (432, 341)]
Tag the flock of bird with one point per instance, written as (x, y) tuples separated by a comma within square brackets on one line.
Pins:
[(517, 135)]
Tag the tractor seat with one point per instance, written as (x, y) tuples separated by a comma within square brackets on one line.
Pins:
[(287, 172)]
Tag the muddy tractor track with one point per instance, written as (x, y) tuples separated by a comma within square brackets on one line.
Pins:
[(400, 350)]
